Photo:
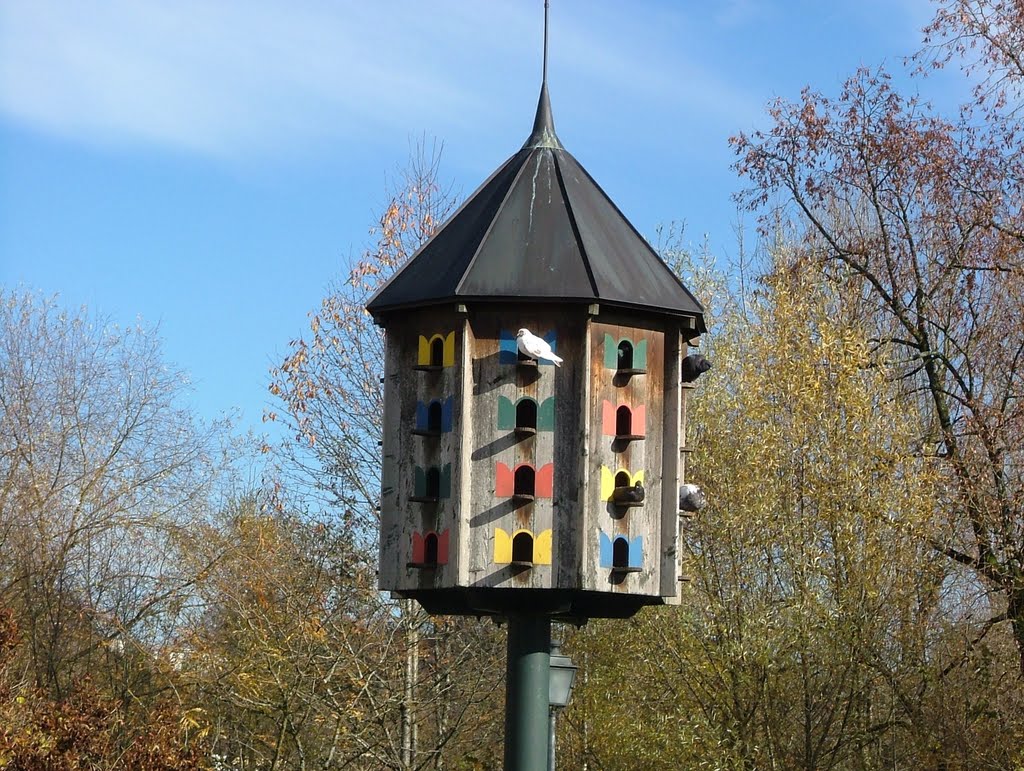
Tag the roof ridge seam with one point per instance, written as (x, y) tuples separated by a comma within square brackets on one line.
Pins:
[(394, 277), (643, 240), (490, 225), (575, 228)]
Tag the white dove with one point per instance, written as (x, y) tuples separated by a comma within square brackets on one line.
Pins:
[(536, 347)]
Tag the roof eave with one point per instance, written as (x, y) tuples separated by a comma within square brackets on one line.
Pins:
[(380, 314)]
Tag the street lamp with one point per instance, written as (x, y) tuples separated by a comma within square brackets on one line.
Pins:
[(562, 676)]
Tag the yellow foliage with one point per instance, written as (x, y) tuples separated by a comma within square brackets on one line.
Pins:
[(807, 565)]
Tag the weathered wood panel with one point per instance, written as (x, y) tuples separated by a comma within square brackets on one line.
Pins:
[(582, 451), (642, 458), (391, 524), (495, 374), (405, 385), (675, 350)]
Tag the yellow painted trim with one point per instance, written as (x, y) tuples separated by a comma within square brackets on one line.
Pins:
[(502, 547), (449, 350), (447, 353), (542, 548), (608, 480)]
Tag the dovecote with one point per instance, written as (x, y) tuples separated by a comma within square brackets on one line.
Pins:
[(510, 483)]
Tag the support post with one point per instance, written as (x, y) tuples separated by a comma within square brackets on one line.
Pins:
[(527, 692), (551, 739)]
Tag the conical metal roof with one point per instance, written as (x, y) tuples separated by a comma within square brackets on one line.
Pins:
[(540, 229)]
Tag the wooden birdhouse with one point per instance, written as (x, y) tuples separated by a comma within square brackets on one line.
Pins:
[(511, 483)]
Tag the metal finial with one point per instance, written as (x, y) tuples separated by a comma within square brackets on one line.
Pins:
[(544, 74), (544, 125)]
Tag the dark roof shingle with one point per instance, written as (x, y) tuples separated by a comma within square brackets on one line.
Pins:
[(540, 228)]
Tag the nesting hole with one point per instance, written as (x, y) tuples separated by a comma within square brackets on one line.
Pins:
[(623, 421), (430, 549), (433, 486), (620, 553), (524, 485), (625, 355), (437, 352), (526, 414), (522, 548), (434, 415)]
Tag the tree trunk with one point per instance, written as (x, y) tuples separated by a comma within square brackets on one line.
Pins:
[(412, 661), (1015, 612)]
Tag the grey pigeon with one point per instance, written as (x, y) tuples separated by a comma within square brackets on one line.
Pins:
[(694, 366), (691, 498)]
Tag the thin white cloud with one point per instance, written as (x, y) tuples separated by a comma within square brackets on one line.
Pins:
[(232, 78), (665, 64), (212, 77), (736, 13)]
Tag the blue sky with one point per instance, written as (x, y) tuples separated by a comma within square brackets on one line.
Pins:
[(210, 165)]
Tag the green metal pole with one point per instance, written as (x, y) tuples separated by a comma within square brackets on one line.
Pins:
[(526, 693)]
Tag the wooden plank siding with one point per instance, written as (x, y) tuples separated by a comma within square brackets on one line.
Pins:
[(403, 451), (578, 448), (636, 456), (493, 377)]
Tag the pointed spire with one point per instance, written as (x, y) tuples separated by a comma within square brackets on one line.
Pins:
[(543, 124)]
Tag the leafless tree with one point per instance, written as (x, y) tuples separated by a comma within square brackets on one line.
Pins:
[(100, 467)]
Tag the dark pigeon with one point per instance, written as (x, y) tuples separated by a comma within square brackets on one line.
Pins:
[(694, 366), (634, 494)]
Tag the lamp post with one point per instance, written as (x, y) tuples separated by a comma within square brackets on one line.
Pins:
[(560, 682)]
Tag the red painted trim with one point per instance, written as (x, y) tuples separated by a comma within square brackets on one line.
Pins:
[(544, 481), (504, 481)]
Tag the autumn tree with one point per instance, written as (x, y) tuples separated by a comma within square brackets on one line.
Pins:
[(281, 659), (808, 631), (328, 386), (918, 218), (331, 405), (86, 728), (985, 38), (101, 468)]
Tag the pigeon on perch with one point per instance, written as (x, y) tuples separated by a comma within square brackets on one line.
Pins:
[(694, 366), (536, 347), (691, 498), (634, 494)]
